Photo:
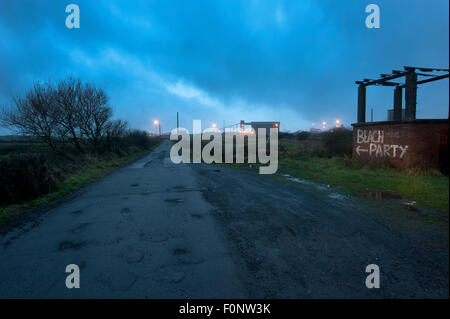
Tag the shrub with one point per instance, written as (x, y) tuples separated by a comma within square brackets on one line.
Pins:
[(303, 136), (338, 142), (137, 138), (26, 177)]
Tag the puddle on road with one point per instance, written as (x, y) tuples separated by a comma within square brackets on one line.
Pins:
[(381, 195), (390, 196), (303, 181), (338, 196)]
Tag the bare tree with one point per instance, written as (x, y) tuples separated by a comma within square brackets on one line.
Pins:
[(35, 114), (69, 108), (70, 112), (95, 114), (114, 130)]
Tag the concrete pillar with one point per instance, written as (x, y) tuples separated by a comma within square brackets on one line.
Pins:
[(410, 96), (398, 103), (361, 104)]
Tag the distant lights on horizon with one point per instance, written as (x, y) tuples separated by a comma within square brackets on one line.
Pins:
[(324, 123)]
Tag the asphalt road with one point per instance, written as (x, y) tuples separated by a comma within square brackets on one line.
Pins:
[(155, 229)]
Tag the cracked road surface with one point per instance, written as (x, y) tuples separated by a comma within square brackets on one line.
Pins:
[(155, 229)]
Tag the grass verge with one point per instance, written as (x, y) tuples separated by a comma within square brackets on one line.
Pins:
[(427, 189), (431, 190), (72, 183)]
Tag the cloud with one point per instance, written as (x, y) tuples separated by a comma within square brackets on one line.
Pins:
[(292, 61), (279, 16)]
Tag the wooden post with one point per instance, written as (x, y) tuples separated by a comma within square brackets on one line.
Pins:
[(398, 103), (361, 104), (410, 96)]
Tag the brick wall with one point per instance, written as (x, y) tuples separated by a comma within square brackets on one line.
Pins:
[(403, 144)]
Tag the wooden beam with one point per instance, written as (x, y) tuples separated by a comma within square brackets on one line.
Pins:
[(425, 69), (424, 74), (440, 77), (388, 84), (391, 77)]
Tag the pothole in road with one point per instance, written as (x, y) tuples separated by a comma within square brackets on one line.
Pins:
[(125, 210), (185, 257), (157, 237), (180, 251), (80, 228), (65, 245), (147, 164), (174, 200), (289, 229), (134, 185), (133, 257), (198, 216), (175, 277)]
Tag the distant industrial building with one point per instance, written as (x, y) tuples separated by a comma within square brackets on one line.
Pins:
[(256, 125), (315, 130)]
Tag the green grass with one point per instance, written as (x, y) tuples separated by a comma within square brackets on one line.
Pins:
[(13, 148), (302, 159), (72, 183), (429, 190)]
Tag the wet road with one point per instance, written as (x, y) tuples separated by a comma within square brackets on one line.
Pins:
[(154, 229)]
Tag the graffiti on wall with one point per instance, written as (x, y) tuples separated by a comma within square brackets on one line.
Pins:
[(372, 142)]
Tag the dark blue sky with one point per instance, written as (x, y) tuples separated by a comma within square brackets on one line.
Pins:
[(290, 61)]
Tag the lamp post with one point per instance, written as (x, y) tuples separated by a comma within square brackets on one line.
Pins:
[(156, 126)]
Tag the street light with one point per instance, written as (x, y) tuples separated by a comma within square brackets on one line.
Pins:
[(156, 126), (214, 125), (337, 123)]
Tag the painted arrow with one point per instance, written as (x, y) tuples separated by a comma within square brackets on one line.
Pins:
[(359, 149)]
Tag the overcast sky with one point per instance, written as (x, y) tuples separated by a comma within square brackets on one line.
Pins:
[(256, 60)]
